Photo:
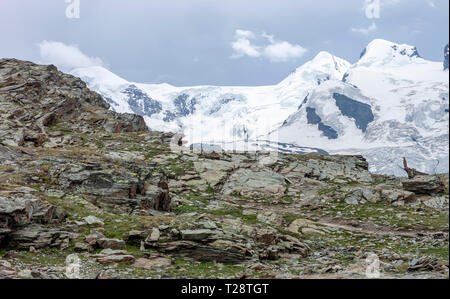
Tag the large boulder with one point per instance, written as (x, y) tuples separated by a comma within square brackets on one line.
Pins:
[(424, 184)]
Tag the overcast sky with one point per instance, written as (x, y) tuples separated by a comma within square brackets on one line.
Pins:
[(219, 42)]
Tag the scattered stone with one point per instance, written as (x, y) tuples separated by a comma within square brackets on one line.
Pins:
[(92, 220), (152, 263), (115, 259), (423, 264), (154, 236), (93, 238), (108, 255), (111, 243)]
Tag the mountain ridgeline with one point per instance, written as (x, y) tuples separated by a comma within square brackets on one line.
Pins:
[(389, 104)]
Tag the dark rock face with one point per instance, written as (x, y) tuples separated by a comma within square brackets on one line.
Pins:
[(315, 119), (321, 80), (185, 105), (360, 112), (363, 53), (446, 57), (415, 52), (345, 77), (222, 102), (305, 100), (141, 103), (170, 116)]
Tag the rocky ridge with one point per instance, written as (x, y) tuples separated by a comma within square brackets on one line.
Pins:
[(91, 190)]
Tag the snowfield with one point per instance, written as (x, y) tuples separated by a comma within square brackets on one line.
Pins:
[(390, 104)]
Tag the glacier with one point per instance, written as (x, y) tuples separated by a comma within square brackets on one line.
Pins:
[(390, 104)]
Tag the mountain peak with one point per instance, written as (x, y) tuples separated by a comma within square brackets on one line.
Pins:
[(322, 67), (382, 52), (323, 55)]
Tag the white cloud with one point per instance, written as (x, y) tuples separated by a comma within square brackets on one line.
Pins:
[(244, 34), (271, 49), (243, 47), (283, 51), (66, 56), (363, 30)]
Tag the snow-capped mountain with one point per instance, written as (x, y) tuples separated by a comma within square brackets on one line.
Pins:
[(211, 113), (391, 103)]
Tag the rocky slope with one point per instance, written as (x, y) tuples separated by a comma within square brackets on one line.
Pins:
[(87, 192)]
